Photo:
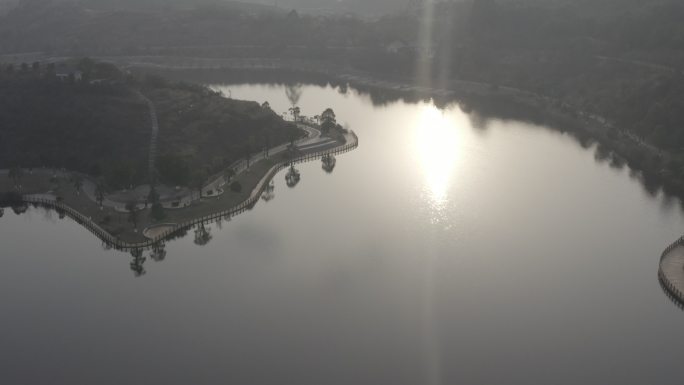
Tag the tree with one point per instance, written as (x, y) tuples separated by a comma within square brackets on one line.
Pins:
[(16, 173), (78, 183), (137, 264), (294, 93), (157, 212), (228, 174), (328, 120), (158, 252), (293, 16), (294, 111), (269, 192), (266, 106), (236, 187), (132, 213), (198, 180), (329, 162), (202, 235), (99, 193), (152, 197)]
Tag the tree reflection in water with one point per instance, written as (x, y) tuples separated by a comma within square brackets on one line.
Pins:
[(202, 235), (138, 262), (269, 192), (158, 253), (292, 177), (328, 163)]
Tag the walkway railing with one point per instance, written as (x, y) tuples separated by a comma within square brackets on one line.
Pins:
[(670, 288), (247, 204)]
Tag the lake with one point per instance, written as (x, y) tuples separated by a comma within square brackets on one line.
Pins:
[(450, 247)]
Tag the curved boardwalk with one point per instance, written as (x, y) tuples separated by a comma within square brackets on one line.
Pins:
[(247, 204), (671, 270)]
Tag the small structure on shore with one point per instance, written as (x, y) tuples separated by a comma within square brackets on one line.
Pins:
[(292, 177)]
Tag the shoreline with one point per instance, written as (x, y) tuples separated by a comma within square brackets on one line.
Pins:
[(658, 169), (177, 228), (652, 163)]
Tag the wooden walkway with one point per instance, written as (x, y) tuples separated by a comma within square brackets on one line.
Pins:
[(671, 270)]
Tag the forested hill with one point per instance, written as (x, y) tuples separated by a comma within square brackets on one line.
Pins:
[(89, 117)]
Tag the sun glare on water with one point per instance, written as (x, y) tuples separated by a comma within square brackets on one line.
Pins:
[(436, 144)]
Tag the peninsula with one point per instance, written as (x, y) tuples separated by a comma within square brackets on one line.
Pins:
[(136, 158)]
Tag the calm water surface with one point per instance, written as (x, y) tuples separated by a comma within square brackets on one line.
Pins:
[(447, 249)]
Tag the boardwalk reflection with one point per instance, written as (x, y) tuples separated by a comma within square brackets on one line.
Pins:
[(676, 301)]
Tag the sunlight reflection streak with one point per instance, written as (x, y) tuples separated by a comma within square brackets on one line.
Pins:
[(436, 142)]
